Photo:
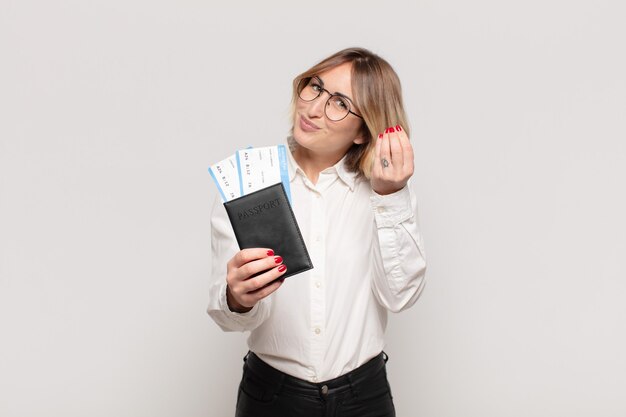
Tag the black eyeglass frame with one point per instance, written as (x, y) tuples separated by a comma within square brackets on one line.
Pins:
[(303, 83)]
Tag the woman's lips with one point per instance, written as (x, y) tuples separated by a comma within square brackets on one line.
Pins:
[(307, 126)]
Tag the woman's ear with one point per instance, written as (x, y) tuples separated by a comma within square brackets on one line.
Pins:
[(362, 135)]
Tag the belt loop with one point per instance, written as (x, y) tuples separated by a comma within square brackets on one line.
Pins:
[(355, 392), (245, 358), (385, 357)]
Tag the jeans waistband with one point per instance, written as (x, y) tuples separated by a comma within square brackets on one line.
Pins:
[(287, 383)]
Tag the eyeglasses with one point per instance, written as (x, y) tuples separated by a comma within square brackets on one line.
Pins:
[(337, 106)]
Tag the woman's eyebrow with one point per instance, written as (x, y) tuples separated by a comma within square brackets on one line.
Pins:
[(342, 95), (337, 93)]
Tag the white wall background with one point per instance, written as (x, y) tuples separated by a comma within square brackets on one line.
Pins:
[(111, 111)]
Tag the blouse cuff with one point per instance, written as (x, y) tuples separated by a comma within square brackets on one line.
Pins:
[(241, 318), (392, 209)]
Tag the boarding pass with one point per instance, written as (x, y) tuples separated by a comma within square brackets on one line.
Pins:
[(251, 169)]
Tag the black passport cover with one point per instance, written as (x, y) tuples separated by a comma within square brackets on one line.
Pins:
[(264, 219)]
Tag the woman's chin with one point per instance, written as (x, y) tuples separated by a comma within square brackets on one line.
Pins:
[(301, 138)]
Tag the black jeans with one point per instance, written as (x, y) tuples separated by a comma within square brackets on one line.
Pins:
[(267, 392)]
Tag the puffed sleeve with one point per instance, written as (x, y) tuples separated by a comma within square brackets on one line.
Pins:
[(223, 248), (400, 262)]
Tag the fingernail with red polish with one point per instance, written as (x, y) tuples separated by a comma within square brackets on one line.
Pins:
[(380, 136), (270, 253), (398, 128), (391, 129), (282, 268), (278, 260), (387, 130)]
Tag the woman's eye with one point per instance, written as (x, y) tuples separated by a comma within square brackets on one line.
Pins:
[(341, 103)]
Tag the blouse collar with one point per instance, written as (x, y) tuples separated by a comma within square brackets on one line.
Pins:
[(340, 169)]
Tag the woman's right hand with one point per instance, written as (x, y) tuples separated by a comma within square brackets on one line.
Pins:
[(243, 289)]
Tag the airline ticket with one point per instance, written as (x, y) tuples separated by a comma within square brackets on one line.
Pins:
[(251, 169)]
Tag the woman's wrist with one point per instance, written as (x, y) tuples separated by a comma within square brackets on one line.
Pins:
[(233, 305)]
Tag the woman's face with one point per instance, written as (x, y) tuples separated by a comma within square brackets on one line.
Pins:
[(320, 135)]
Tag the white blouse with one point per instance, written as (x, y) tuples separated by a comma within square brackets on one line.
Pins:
[(368, 258)]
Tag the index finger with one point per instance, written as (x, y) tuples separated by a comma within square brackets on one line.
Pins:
[(251, 254)]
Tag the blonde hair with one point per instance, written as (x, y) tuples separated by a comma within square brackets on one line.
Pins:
[(377, 96)]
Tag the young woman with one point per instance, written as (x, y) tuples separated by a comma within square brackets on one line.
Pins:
[(316, 339)]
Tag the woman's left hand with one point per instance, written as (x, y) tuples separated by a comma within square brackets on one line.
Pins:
[(393, 161)]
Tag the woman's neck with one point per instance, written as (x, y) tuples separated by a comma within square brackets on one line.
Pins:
[(312, 164)]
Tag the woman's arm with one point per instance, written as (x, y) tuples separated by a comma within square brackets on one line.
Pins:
[(400, 263), (399, 259), (230, 265)]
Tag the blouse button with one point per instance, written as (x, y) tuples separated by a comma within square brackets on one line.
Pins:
[(318, 330)]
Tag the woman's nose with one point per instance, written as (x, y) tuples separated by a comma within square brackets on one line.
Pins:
[(316, 107)]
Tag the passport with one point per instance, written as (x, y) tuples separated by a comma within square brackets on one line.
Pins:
[(265, 219)]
